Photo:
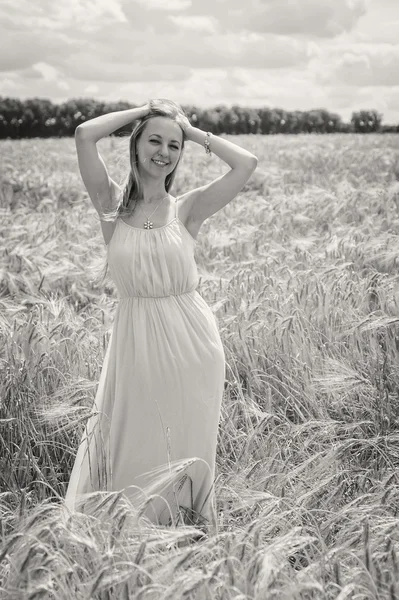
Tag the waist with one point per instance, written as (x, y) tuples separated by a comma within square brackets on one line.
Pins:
[(156, 297)]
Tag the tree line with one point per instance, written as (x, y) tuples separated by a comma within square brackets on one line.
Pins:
[(38, 117)]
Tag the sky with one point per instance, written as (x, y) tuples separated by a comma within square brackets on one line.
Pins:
[(342, 55)]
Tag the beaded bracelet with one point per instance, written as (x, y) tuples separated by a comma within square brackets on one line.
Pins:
[(207, 143)]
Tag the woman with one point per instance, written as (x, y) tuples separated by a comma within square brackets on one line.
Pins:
[(161, 386)]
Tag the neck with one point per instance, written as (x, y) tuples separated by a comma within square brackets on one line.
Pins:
[(153, 195), (154, 199), (153, 189)]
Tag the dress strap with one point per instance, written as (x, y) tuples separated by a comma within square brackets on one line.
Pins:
[(176, 208)]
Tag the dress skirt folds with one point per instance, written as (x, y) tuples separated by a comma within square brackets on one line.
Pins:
[(160, 390)]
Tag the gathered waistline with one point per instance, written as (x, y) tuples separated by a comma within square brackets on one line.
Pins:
[(155, 297)]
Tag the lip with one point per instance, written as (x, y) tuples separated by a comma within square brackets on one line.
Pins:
[(164, 163)]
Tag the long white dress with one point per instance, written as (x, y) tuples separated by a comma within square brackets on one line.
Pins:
[(162, 380)]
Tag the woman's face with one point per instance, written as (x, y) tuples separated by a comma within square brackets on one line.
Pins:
[(161, 141)]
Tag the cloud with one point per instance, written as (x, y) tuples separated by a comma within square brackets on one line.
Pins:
[(48, 72), (111, 39), (9, 84), (340, 54), (22, 48), (114, 53), (164, 4), (320, 18), (226, 50), (92, 89), (195, 23), (361, 65), (84, 15), (380, 24), (145, 17), (289, 89), (77, 67)]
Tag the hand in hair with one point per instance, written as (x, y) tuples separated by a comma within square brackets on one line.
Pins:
[(185, 124), (168, 108)]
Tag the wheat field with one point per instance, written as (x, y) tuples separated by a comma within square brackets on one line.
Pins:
[(301, 271)]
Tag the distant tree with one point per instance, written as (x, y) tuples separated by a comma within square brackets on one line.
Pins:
[(265, 120), (219, 110), (275, 120), (208, 120), (334, 123), (296, 121), (232, 121), (366, 121), (39, 117), (224, 119), (190, 110), (240, 119), (389, 128), (11, 113), (253, 121), (321, 121), (282, 120)]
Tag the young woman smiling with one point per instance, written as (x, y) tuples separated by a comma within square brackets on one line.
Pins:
[(156, 413)]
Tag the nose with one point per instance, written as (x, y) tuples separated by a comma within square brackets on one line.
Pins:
[(164, 151)]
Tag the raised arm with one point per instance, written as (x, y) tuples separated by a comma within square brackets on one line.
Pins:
[(97, 128), (101, 188), (235, 156), (212, 197)]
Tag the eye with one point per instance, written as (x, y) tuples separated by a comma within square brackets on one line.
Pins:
[(157, 142)]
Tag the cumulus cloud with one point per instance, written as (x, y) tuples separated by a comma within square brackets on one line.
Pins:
[(112, 52), (252, 51), (380, 24), (195, 23), (164, 4), (108, 71), (321, 18), (48, 72), (22, 48), (341, 54), (361, 65), (47, 14)]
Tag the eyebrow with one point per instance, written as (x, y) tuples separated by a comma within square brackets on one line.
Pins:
[(160, 136)]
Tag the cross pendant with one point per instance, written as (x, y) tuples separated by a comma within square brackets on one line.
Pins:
[(148, 224)]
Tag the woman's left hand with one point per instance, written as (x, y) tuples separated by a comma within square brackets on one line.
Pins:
[(186, 126)]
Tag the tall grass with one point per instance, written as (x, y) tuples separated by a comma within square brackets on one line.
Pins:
[(301, 272)]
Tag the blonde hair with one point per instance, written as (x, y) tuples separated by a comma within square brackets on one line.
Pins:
[(132, 188)]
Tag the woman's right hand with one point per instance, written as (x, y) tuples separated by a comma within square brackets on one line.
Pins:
[(146, 108)]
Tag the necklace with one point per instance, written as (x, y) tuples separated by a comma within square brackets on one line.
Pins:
[(148, 224)]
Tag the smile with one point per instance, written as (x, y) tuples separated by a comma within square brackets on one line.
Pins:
[(159, 163)]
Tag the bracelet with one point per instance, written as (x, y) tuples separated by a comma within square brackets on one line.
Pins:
[(207, 143)]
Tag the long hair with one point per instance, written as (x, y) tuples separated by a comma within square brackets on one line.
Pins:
[(132, 188)]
